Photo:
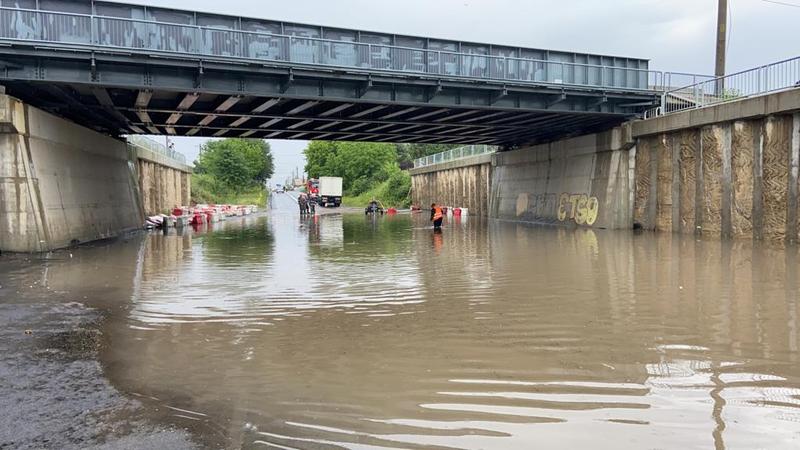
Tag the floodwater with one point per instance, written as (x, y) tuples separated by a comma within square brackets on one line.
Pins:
[(349, 332)]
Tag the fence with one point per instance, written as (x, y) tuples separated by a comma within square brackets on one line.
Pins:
[(156, 147), (761, 80), (148, 36), (456, 153)]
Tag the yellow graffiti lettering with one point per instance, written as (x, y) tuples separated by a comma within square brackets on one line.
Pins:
[(580, 210), (592, 208), (562, 207), (583, 209)]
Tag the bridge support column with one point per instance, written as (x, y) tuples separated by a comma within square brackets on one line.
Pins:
[(60, 183)]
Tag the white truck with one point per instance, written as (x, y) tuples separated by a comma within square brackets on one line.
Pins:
[(330, 191)]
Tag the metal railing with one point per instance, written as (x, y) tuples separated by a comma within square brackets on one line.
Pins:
[(156, 147), (453, 154), (748, 83), (148, 36)]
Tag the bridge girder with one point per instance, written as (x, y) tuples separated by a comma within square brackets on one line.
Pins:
[(120, 93)]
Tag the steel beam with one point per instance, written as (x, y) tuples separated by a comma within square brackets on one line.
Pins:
[(228, 103), (458, 116), (350, 132), (399, 113), (300, 124), (302, 108), (240, 121), (266, 105), (143, 98), (369, 111), (269, 123), (348, 120), (336, 109), (327, 125)]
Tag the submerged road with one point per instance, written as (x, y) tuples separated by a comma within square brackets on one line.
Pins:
[(346, 331)]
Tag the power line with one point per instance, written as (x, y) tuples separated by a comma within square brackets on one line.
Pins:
[(776, 2)]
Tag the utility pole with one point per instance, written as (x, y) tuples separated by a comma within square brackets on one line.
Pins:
[(722, 42)]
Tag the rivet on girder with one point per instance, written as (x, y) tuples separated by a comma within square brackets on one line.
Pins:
[(147, 78), (39, 72)]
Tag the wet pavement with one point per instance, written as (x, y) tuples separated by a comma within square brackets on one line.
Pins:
[(346, 331)]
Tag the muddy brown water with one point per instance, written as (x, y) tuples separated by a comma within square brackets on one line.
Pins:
[(350, 332)]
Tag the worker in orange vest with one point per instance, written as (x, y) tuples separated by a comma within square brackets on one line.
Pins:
[(436, 216)]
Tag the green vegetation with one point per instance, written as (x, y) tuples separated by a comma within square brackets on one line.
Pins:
[(407, 153), (232, 171), (730, 94), (368, 170)]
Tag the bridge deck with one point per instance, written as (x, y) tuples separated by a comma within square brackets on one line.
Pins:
[(133, 69)]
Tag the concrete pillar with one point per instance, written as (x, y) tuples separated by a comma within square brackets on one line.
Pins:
[(758, 181), (792, 189), (727, 180), (631, 187), (689, 149), (675, 148), (699, 201), (777, 161), (652, 197)]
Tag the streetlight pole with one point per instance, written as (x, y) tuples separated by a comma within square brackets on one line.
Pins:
[(722, 42)]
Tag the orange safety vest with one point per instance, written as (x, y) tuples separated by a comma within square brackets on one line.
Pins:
[(437, 213)]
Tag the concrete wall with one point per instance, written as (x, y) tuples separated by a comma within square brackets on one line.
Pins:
[(162, 187), (581, 181), (728, 170), (163, 182), (463, 183), (60, 183)]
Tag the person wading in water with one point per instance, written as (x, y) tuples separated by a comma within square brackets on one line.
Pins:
[(436, 217), (302, 201)]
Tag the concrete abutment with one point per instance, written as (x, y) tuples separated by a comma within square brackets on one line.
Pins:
[(578, 181), (733, 170), (730, 170), (62, 184)]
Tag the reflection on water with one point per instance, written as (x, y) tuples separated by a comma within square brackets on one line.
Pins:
[(346, 331)]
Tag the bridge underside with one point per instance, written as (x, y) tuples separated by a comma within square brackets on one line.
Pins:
[(133, 94)]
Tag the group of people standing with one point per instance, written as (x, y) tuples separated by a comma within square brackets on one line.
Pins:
[(307, 205)]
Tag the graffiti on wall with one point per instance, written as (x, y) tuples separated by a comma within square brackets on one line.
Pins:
[(580, 208)]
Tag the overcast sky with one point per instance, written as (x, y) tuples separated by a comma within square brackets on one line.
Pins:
[(676, 35)]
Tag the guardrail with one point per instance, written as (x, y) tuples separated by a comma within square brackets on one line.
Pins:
[(156, 147), (453, 154), (148, 36), (748, 83)]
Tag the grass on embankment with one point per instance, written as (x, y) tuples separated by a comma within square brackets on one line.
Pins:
[(392, 193), (206, 189)]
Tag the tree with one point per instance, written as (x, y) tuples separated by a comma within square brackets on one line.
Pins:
[(237, 163), (407, 153), (360, 164)]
